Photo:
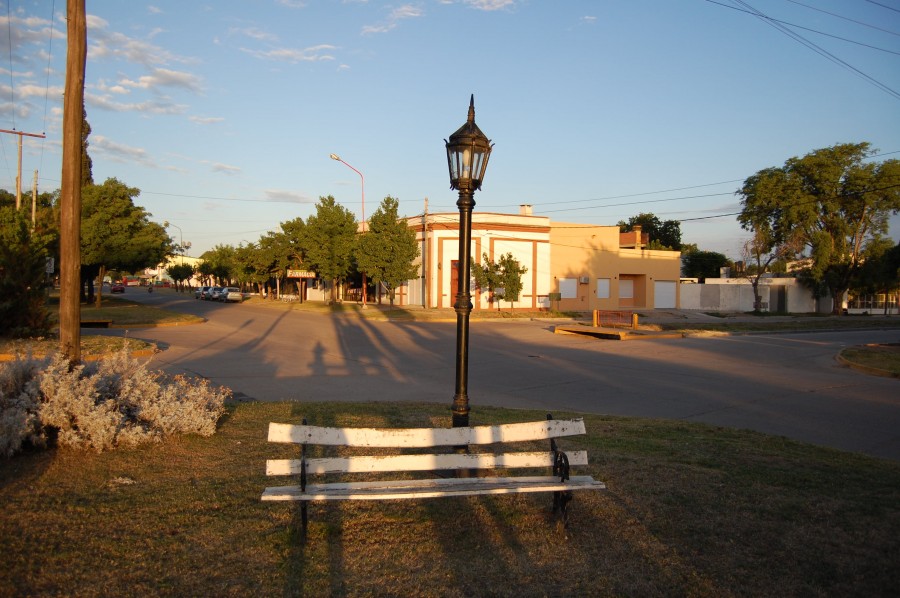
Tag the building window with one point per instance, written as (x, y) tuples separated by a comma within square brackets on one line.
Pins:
[(602, 288), (626, 289), (568, 288)]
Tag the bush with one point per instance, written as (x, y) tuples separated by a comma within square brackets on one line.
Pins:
[(110, 403), (20, 405)]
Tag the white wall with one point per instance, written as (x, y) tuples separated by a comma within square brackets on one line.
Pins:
[(736, 294)]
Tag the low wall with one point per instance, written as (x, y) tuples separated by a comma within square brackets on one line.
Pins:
[(736, 295)]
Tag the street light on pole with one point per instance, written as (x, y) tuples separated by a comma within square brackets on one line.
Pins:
[(363, 187), (468, 151), (167, 224)]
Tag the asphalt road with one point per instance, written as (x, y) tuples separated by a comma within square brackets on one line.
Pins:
[(784, 384)]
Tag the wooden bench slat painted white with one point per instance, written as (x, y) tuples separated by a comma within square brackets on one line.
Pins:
[(433, 488), (448, 461), (354, 439), (424, 437)]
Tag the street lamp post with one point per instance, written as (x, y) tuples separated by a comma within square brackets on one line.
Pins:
[(468, 151), (181, 248), (363, 187)]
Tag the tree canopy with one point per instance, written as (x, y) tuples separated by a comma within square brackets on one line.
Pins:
[(329, 240), (23, 258), (502, 279), (386, 251), (663, 234), (703, 264), (834, 202), (115, 233)]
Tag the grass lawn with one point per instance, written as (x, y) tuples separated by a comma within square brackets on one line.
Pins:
[(885, 358), (120, 312), (690, 510)]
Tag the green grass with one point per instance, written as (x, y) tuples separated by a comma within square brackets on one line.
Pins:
[(794, 324), (690, 510), (879, 357)]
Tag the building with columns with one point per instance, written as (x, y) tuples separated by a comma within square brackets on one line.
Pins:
[(570, 267)]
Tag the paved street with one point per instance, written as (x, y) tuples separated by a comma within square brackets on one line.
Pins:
[(786, 384)]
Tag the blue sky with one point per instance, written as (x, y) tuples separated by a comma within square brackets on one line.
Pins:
[(224, 113)]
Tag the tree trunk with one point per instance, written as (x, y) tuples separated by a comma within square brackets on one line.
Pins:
[(100, 276), (837, 301)]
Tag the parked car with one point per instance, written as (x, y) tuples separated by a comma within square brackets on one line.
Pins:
[(231, 294), (117, 287), (200, 292), (212, 294)]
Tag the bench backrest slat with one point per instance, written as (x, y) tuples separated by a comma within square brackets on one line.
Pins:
[(450, 461), (425, 437)]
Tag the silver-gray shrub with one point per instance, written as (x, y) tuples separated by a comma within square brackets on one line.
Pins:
[(110, 403), (20, 400)]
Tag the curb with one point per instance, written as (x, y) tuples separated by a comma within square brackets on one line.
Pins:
[(864, 368)]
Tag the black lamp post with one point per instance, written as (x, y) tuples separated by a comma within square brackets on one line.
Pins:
[(467, 157)]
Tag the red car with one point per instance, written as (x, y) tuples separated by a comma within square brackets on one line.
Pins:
[(117, 288)]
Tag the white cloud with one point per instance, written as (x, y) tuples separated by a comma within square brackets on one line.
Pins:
[(292, 3), (254, 33), (157, 106), (208, 120), (119, 151), (223, 168), (490, 4), (407, 11), (105, 44), (589, 19), (283, 195), (165, 78), (35, 91), (295, 55)]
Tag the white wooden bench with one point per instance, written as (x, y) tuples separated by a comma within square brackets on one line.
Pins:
[(560, 482)]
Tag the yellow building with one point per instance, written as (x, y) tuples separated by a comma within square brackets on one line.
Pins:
[(572, 267), (597, 267)]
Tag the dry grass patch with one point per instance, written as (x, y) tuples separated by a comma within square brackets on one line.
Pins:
[(690, 510), (884, 357)]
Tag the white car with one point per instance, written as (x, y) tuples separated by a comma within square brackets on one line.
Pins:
[(231, 294)]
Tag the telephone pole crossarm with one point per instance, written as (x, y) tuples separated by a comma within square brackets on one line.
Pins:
[(19, 171)]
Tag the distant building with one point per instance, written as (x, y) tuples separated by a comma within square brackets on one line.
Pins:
[(573, 267)]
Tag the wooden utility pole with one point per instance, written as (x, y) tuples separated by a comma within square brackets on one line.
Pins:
[(34, 201), (70, 195), (19, 171)]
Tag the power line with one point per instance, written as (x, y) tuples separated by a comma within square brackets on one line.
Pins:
[(47, 84), (812, 46), (845, 18), (883, 5)]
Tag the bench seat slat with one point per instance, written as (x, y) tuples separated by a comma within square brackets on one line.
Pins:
[(369, 464), (425, 437), (433, 488)]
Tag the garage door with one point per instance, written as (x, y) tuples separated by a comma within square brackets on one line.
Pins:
[(663, 294)]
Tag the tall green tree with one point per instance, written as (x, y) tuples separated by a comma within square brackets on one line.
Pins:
[(834, 200), (219, 264), (703, 264), (329, 241), (663, 234), (488, 277), (180, 273), (511, 272), (116, 234), (502, 280), (23, 259), (761, 256), (386, 251), (87, 165), (880, 270)]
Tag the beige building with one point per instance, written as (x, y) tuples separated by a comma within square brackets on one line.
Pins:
[(575, 267), (597, 267)]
